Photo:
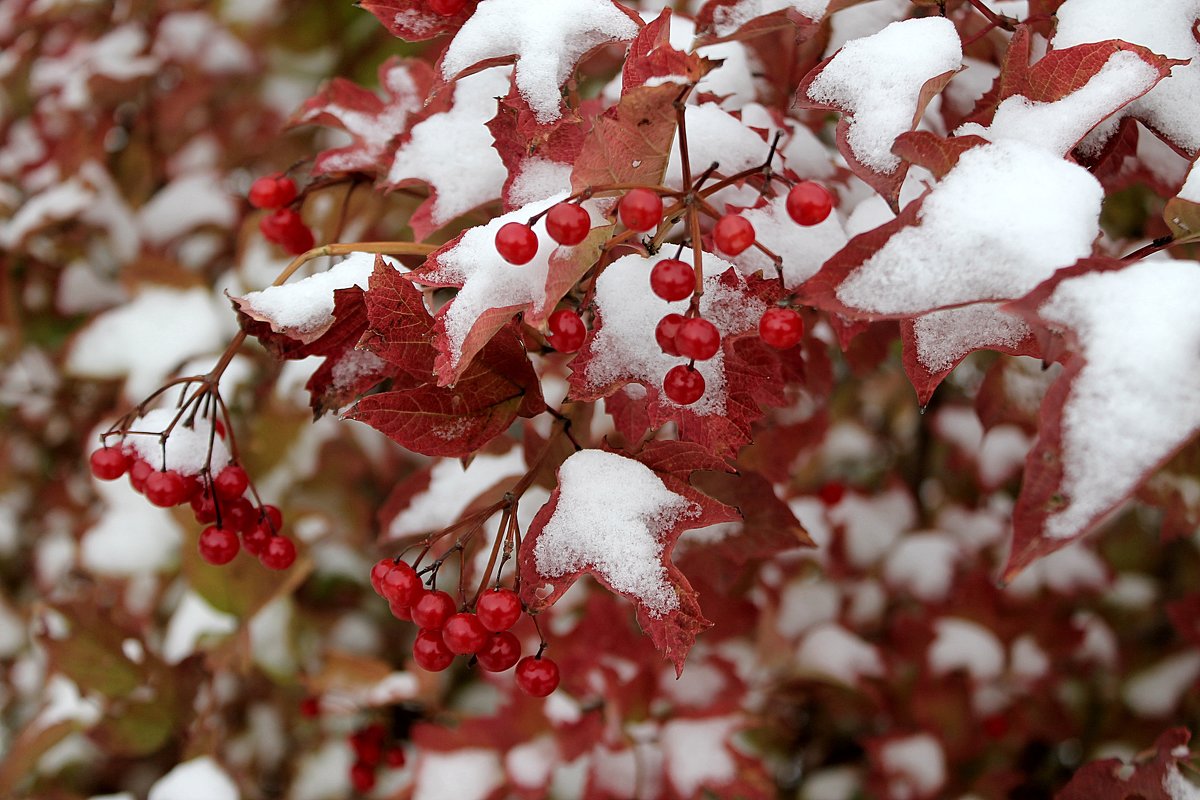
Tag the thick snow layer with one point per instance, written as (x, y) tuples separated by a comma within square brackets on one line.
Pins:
[(185, 204), (862, 20), (1002, 221), (611, 517), (878, 79), (831, 652), (132, 537), (1155, 691), (915, 765), (306, 306), (1165, 27), (199, 779), (696, 753), (1191, 187), (727, 19), (547, 36), (187, 449), (923, 564), (943, 337), (1134, 400), (451, 489), (803, 248), (466, 774), (452, 151), (539, 178), (193, 620), (962, 644)]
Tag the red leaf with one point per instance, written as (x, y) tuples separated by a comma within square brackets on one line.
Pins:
[(1107, 779), (651, 56), (631, 142), (413, 20), (524, 143)]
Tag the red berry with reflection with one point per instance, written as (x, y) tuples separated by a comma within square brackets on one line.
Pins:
[(697, 338), (432, 609), (672, 279), (733, 234), (280, 553), (394, 757), (809, 203), (310, 707), (272, 191), (500, 652), (402, 613), (166, 488), (640, 209), (683, 385), (537, 676), (565, 331), (231, 482), (498, 609), (464, 633), (203, 508), (568, 224), (238, 514), (401, 584), (378, 572), (664, 333), (256, 538), (430, 652), (139, 471), (832, 493), (218, 545), (108, 463), (273, 516), (516, 243), (781, 328)]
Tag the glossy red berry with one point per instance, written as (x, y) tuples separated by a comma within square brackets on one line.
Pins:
[(565, 331), (430, 651), (273, 516), (781, 328), (139, 471), (516, 243), (203, 508), (272, 191), (402, 613), (218, 545), (498, 609), (500, 652), (464, 633), (568, 224), (809, 203), (362, 777), (238, 514), (231, 482), (280, 553), (446, 8), (286, 228), (697, 338), (640, 209), (256, 538), (401, 584), (394, 757), (664, 333), (108, 463), (166, 488), (432, 609), (537, 676), (378, 572), (672, 279), (683, 385), (733, 234)]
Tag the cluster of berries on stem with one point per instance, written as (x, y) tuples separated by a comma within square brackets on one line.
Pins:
[(283, 226)]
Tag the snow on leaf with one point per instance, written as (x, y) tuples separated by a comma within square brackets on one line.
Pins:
[(545, 37), (882, 84), (413, 20), (727, 17), (803, 248), (539, 158), (1124, 403), (653, 59), (371, 122), (1153, 777), (617, 519)]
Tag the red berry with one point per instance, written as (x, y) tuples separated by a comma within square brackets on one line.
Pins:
[(697, 338), (310, 707), (362, 777), (537, 676), (565, 331), (683, 385), (664, 333), (203, 507), (672, 279), (640, 209), (218, 545), (809, 203), (394, 757), (380, 570), (499, 652), (733, 234), (446, 8), (238, 515), (109, 463), (498, 609), (516, 243), (256, 538), (464, 633), (781, 328), (401, 584), (402, 613), (368, 743), (287, 229), (280, 553), (832, 493), (430, 651), (166, 488), (231, 482), (273, 516), (568, 224), (139, 471), (432, 609), (272, 191)]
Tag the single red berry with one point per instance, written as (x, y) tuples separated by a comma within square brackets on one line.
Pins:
[(401, 584), (809, 203), (286, 228), (432, 609), (166, 488), (832, 493), (516, 243), (139, 471), (464, 633), (430, 651), (500, 652), (672, 279), (733, 234), (256, 538), (394, 757), (498, 609), (195, 486), (446, 8), (362, 777), (664, 333), (273, 517), (368, 743), (280, 553), (378, 572), (310, 707), (568, 224), (683, 385), (231, 482), (565, 331), (537, 676), (218, 545), (108, 463), (781, 328), (402, 613), (640, 209), (272, 191), (697, 338), (273, 225), (203, 507), (238, 514)]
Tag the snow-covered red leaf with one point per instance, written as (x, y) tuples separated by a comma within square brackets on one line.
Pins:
[(414, 20), (1124, 403), (744, 19), (1152, 776), (935, 153), (400, 326), (618, 520), (1182, 212), (652, 58), (539, 157)]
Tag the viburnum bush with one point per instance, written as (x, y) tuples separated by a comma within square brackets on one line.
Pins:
[(740, 398)]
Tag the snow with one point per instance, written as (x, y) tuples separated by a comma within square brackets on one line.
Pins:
[(193, 621), (194, 36), (187, 449), (132, 537), (64, 702), (1002, 454), (944, 337), (805, 604), (696, 754), (1178, 787), (611, 517), (12, 632), (803, 248), (1002, 221), (969, 85), (548, 38), (1191, 187), (877, 80), (184, 204), (963, 644), (915, 765), (1156, 691), (323, 774), (727, 19), (464, 774), (1133, 402), (451, 489), (923, 564), (1029, 661), (715, 135), (696, 687), (873, 523), (832, 783), (199, 779), (861, 20), (835, 654), (452, 150), (1164, 27), (539, 178), (530, 764)]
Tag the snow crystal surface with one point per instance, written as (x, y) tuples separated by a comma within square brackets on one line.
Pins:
[(1165, 27), (963, 644), (537, 179), (1002, 221), (803, 248), (1155, 692), (452, 151), (187, 448), (727, 19), (466, 774), (1134, 400), (547, 36), (877, 80), (611, 517), (452, 488), (946, 336), (199, 779), (696, 754), (835, 654), (1191, 187), (915, 765)]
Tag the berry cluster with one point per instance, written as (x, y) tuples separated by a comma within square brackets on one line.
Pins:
[(445, 631), (371, 749), (283, 225)]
